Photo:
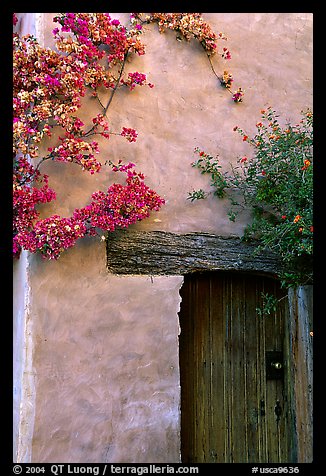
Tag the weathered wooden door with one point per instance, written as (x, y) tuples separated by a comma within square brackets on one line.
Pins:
[(234, 406)]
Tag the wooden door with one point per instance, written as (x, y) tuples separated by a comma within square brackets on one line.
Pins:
[(234, 407)]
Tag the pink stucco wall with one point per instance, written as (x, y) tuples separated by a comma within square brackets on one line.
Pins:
[(105, 347)]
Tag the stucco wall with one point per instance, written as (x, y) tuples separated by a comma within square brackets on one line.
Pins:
[(105, 348), (106, 355), (23, 374)]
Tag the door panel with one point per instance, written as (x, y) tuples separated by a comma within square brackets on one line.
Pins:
[(230, 411)]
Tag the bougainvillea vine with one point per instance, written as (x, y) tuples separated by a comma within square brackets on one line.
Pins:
[(48, 88), (192, 26), (92, 50)]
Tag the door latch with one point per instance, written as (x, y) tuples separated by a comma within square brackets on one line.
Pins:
[(274, 365)]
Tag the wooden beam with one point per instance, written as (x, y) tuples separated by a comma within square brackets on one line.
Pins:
[(300, 369), (165, 253)]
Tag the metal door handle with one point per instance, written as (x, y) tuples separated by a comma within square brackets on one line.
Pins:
[(274, 365), (277, 365)]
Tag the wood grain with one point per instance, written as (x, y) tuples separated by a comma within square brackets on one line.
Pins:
[(159, 252)]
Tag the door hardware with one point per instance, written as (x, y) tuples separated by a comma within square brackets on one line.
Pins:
[(274, 365)]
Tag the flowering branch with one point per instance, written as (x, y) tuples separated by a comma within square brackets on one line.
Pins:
[(48, 87), (192, 25), (277, 185)]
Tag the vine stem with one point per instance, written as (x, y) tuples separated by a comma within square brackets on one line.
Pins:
[(117, 83), (218, 77), (105, 109)]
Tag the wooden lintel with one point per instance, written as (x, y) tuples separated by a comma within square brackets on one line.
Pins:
[(165, 253)]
